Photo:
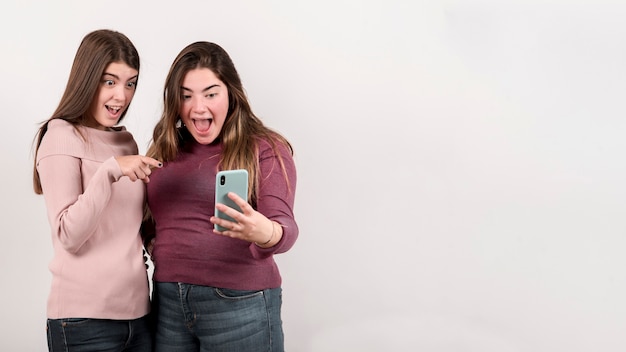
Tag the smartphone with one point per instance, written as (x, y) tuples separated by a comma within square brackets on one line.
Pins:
[(230, 181)]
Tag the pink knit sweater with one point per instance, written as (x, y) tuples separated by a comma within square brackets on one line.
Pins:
[(94, 214)]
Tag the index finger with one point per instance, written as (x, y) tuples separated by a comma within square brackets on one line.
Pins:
[(151, 161)]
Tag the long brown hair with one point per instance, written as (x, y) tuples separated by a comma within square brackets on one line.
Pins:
[(97, 50), (242, 130)]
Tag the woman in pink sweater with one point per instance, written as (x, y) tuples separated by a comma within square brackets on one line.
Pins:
[(217, 290), (87, 169)]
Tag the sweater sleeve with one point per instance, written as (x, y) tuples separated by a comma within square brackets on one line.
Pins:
[(74, 213), (276, 197), (74, 203)]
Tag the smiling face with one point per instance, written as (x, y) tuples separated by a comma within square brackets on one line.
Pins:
[(115, 92), (204, 104)]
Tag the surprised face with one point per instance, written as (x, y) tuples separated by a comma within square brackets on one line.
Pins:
[(115, 92), (204, 104)]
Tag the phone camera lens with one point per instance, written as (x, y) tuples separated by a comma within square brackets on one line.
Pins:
[(222, 180)]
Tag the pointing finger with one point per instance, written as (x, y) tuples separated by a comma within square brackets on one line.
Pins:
[(151, 162)]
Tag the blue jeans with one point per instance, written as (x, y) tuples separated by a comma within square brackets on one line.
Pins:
[(199, 318), (102, 335)]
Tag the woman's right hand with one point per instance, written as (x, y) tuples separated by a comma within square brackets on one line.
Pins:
[(137, 167)]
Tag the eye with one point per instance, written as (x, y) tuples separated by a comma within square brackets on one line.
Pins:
[(186, 97), (108, 82), (211, 95), (131, 84)]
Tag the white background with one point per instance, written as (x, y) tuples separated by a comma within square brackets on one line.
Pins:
[(461, 163)]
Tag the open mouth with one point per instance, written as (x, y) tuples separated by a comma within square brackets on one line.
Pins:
[(202, 125), (114, 110)]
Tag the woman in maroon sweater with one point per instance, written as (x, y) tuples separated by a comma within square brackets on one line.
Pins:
[(218, 291)]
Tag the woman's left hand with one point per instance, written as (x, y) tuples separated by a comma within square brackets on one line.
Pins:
[(250, 225)]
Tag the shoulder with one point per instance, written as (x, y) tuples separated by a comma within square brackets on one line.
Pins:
[(60, 126), (61, 138), (274, 146)]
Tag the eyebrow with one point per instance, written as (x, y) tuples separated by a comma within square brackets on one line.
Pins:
[(117, 77), (204, 90)]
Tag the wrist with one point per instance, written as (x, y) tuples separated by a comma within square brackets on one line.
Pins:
[(271, 236)]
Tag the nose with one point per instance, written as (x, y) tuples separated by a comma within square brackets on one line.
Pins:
[(119, 93), (197, 105)]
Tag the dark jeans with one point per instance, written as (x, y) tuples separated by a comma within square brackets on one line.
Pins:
[(199, 318), (102, 335)]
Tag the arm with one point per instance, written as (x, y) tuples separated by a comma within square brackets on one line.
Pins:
[(74, 212), (276, 201), (271, 227)]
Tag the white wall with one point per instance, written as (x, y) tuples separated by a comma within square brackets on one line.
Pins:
[(461, 169)]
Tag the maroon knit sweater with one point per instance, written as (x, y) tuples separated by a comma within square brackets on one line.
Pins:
[(181, 197)]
